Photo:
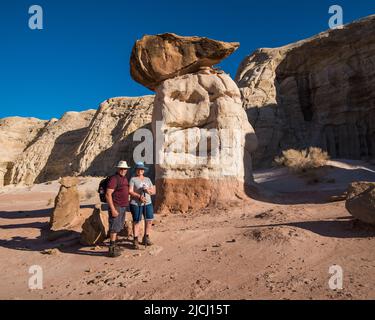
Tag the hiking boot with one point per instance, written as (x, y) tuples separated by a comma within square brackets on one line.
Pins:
[(147, 241), (114, 251), (135, 244)]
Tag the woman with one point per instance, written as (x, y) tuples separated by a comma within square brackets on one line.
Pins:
[(141, 189)]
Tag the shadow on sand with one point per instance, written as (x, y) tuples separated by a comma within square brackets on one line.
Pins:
[(344, 227), (68, 242), (298, 189)]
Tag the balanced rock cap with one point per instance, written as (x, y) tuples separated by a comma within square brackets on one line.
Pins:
[(156, 58)]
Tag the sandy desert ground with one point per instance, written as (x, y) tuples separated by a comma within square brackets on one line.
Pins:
[(277, 244)]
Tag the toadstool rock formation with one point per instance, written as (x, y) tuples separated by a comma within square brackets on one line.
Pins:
[(203, 139)]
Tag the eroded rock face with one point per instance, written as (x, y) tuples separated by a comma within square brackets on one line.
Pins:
[(80, 143), (95, 228), (203, 141), (16, 133), (66, 213), (316, 92), (156, 58), (51, 154), (360, 201), (110, 135)]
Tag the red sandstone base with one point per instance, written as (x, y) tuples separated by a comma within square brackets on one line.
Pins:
[(183, 195)]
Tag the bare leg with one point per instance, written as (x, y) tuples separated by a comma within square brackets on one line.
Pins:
[(136, 226), (148, 225), (112, 236)]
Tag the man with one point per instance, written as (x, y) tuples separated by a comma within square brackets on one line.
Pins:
[(117, 196)]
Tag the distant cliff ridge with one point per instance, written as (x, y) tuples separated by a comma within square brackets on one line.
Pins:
[(86, 143), (316, 92)]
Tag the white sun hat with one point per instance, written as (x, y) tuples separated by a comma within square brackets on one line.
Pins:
[(122, 165)]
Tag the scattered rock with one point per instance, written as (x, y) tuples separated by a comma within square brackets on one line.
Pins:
[(338, 198), (272, 235), (265, 214), (52, 251), (95, 228), (155, 250), (360, 201)]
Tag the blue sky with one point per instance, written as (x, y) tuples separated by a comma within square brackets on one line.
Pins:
[(81, 57)]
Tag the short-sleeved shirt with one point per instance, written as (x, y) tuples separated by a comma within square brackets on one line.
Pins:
[(138, 186), (121, 186)]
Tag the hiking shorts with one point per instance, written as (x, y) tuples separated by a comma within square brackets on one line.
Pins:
[(116, 224), (138, 212)]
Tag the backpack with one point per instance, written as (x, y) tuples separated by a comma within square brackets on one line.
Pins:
[(103, 185)]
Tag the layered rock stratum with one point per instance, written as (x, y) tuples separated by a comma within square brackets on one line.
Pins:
[(50, 156), (16, 134), (203, 142), (110, 134), (80, 143), (316, 92)]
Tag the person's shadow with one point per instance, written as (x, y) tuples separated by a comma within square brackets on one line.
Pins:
[(66, 241)]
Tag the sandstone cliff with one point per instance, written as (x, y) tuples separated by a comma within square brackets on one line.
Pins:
[(82, 143), (16, 133), (316, 92), (51, 153), (110, 135)]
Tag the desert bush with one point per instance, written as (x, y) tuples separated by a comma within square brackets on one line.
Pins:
[(301, 160)]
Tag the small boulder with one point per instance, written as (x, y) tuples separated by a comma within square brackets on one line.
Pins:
[(95, 228), (156, 58), (360, 201), (66, 213)]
